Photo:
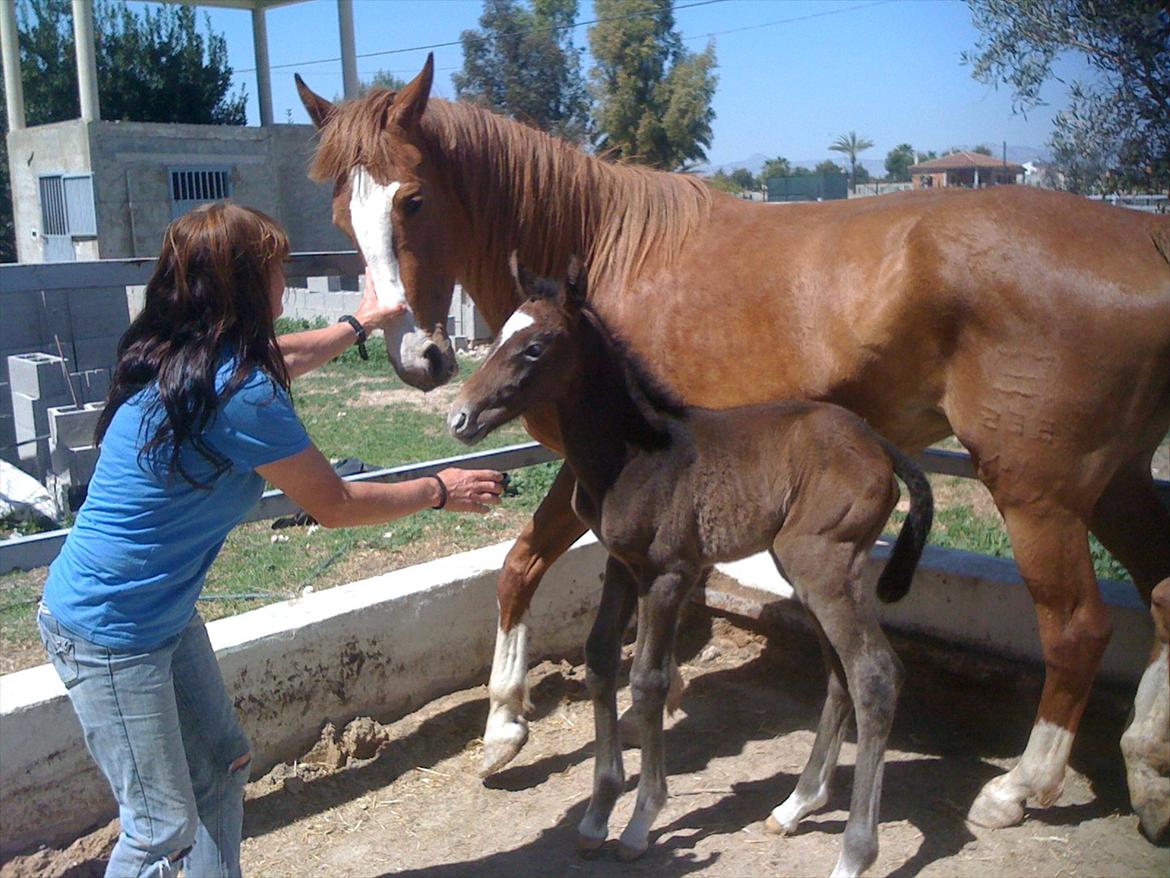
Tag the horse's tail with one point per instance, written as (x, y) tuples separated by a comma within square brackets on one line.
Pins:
[(894, 582)]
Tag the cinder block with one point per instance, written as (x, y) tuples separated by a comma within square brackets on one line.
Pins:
[(74, 465), (96, 353), (39, 376), (92, 385), (318, 284), (97, 312), (21, 326), (72, 426), (31, 417)]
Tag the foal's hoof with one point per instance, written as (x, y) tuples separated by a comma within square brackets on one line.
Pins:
[(627, 853), (995, 812), (775, 827), (502, 747)]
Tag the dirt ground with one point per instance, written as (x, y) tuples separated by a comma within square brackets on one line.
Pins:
[(403, 798)]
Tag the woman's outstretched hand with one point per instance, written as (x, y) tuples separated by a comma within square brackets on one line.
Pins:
[(472, 490)]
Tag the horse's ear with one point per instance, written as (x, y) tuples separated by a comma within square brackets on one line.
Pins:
[(320, 110), (576, 284), (412, 100)]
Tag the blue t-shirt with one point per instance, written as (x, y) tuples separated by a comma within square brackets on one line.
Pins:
[(134, 563)]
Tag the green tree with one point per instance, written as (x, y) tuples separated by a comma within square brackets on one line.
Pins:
[(653, 98), (723, 181), (153, 67), (898, 162), (982, 149), (777, 167), (828, 168), (744, 178), (380, 79), (850, 144), (1115, 132), (157, 67), (523, 63)]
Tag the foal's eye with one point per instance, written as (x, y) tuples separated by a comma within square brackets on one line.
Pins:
[(534, 350), (412, 205)]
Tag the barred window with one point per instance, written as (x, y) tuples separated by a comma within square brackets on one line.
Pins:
[(191, 187)]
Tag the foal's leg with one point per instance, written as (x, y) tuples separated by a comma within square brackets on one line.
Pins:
[(812, 789), (650, 681), (552, 530), (603, 652), (828, 577), (1051, 545)]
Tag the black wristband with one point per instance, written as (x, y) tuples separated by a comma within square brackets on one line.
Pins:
[(361, 334), (442, 492)]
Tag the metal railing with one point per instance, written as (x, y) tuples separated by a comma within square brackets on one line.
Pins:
[(39, 550)]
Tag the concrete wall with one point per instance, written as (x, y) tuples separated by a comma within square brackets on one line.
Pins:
[(384, 646), (131, 161), (381, 647), (59, 148)]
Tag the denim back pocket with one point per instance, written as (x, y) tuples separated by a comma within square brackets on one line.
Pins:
[(59, 646)]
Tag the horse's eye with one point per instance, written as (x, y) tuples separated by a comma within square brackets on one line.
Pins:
[(413, 203), (534, 350)]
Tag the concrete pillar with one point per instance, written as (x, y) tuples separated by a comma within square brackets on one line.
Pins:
[(87, 87), (349, 75), (10, 48), (263, 71)]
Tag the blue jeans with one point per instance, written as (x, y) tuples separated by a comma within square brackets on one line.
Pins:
[(162, 729)]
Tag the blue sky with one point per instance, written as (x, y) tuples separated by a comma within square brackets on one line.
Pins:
[(793, 74)]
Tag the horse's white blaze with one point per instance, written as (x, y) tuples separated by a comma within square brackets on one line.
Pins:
[(369, 210), (517, 322)]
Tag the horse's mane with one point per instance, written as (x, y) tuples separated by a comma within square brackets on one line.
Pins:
[(523, 189), (659, 406)]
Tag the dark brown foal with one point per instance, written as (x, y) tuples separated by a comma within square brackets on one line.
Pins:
[(672, 490)]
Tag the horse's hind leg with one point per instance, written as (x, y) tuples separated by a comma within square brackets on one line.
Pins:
[(552, 530), (1051, 545), (812, 789), (603, 652), (1132, 523), (649, 682), (827, 576)]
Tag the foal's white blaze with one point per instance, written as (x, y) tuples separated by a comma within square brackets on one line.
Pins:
[(369, 210), (516, 323)]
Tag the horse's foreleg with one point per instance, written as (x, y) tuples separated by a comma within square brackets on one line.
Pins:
[(1132, 523), (552, 530), (1052, 551), (603, 653), (650, 679), (1146, 743)]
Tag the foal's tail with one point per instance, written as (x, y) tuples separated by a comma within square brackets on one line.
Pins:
[(895, 579)]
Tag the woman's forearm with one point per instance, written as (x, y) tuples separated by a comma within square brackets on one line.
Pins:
[(305, 351)]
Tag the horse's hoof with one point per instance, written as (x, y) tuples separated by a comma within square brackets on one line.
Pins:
[(502, 749), (587, 846), (992, 812), (627, 853), (775, 827)]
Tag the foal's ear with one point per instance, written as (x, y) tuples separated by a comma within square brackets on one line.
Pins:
[(412, 100), (576, 284), (319, 109), (524, 279)]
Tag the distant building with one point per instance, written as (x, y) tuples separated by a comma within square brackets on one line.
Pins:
[(970, 170)]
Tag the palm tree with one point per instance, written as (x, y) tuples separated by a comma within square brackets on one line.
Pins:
[(851, 145)]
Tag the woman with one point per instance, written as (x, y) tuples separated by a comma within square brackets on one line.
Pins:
[(197, 419)]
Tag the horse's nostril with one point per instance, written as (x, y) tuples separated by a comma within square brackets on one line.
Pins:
[(458, 421), (434, 358)]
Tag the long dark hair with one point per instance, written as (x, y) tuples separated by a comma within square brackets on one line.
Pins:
[(209, 295)]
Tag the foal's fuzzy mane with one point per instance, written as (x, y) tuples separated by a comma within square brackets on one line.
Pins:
[(523, 189)]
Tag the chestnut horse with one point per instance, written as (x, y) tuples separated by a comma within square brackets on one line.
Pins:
[(1032, 325), (670, 491)]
